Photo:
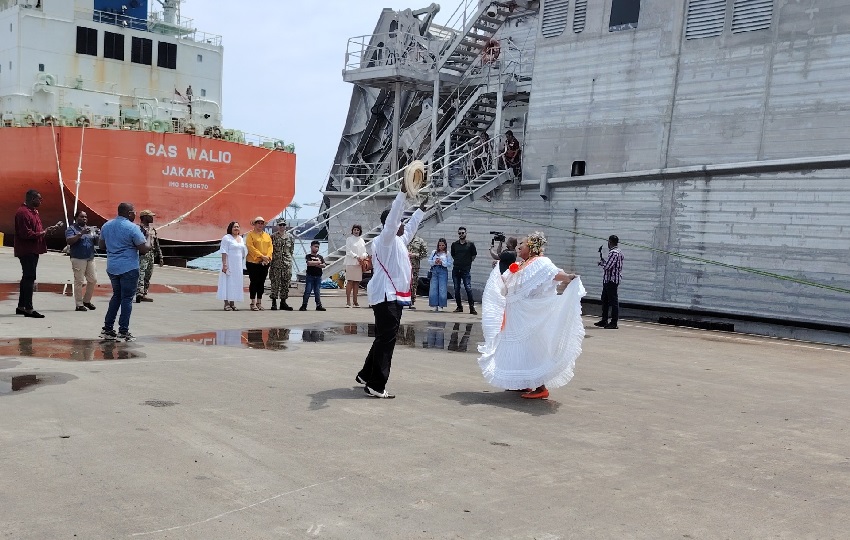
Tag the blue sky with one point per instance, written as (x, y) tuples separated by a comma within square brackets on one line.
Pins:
[(283, 72)]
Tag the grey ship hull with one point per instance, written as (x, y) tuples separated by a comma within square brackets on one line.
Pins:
[(708, 147)]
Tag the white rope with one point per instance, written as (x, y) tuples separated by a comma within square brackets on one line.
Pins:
[(79, 170), (211, 197), (59, 169)]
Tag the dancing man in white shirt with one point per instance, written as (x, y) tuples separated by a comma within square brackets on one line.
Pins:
[(388, 291)]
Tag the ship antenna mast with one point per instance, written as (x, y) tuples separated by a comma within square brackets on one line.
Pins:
[(170, 11)]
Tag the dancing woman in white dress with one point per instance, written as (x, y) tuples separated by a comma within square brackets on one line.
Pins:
[(231, 283), (532, 335)]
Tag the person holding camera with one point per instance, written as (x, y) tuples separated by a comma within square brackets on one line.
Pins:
[(612, 270), (29, 244), (463, 253), (502, 256), (81, 240)]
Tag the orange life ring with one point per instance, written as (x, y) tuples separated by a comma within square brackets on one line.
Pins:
[(491, 51)]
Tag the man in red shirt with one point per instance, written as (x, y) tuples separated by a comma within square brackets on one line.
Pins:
[(29, 244)]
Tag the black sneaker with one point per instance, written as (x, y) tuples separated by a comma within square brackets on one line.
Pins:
[(302, 308), (108, 335), (126, 336), (359, 380), (459, 310), (610, 326), (379, 395), (81, 308), (89, 305), (320, 308), (472, 311), (601, 324)]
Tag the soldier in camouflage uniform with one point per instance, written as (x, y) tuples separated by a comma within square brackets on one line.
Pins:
[(417, 250), (147, 260), (281, 268)]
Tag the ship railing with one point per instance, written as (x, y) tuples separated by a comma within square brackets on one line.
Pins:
[(9, 4), (462, 15), (183, 27), (155, 23), (460, 166), (356, 176), (390, 49)]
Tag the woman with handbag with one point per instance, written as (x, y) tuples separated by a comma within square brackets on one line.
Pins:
[(356, 262), (441, 265)]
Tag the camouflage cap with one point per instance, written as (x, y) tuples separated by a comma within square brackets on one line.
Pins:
[(147, 213)]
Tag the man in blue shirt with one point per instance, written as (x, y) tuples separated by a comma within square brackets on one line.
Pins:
[(124, 242), (81, 238)]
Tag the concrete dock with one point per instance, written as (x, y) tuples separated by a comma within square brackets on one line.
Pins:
[(249, 425)]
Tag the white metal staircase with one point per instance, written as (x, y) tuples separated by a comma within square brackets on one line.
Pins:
[(476, 24)]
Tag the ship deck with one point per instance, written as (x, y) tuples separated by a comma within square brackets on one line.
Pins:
[(665, 432)]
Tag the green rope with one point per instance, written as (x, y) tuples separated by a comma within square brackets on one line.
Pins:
[(747, 269)]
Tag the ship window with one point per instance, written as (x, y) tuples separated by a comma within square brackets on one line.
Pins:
[(167, 55), (113, 45), (579, 168), (86, 41), (141, 51), (203, 92), (200, 58), (41, 68), (624, 15)]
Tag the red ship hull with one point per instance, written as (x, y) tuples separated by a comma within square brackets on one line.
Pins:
[(206, 182)]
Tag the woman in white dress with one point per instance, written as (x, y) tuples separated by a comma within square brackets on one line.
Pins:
[(355, 251), (231, 284), (532, 335)]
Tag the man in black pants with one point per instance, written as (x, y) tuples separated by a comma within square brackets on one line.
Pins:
[(463, 253), (388, 292), (29, 244), (612, 270)]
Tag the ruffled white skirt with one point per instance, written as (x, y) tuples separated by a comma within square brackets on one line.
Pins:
[(539, 343)]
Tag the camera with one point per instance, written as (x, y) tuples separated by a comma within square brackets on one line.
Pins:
[(498, 236)]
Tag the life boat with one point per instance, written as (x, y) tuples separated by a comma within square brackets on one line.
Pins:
[(491, 51)]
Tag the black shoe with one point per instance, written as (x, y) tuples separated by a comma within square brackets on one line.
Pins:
[(108, 335), (274, 304), (412, 307), (138, 299), (459, 310), (611, 326), (34, 314), (379, 395), (359, 380), (20, 311), (89, 305), (125, 336), (81, 308), (284, 306), (601, 324), (472, 311), (320, 308), (302, 308), (145, 299)]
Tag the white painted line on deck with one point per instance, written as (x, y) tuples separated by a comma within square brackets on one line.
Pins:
[(236, 509)]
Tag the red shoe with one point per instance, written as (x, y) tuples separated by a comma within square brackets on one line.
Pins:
[(537, 394)]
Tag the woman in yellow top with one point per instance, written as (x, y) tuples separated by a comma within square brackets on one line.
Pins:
[(259, 244)]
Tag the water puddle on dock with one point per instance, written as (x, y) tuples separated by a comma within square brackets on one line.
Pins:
[(18, 383), (8, 290), (454, 337), (72, 350)]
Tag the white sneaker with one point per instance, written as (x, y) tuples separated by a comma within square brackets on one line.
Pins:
[(380, 395)]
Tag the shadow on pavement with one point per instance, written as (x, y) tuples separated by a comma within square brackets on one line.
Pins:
[(506, 400)]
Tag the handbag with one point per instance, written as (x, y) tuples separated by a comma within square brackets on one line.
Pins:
[(366, 263)]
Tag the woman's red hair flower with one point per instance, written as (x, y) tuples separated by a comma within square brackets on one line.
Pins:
[(514, 268)]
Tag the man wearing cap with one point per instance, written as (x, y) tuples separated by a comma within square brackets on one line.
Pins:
[(280, 271), (147, 260)]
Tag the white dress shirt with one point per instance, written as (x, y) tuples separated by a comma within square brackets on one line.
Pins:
[(390, 250), (354, 247)]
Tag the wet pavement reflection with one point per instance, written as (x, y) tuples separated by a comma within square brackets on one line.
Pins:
[(18, 383), (74, 350), (455, 337), (8, 289)]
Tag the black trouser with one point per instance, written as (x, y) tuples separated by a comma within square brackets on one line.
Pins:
[(376, 369), (257, 274), (609, 298), (29, 263)]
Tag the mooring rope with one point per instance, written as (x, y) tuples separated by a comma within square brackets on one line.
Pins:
[(211, 197), (59, 169), (79, 170), (684, 256)]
